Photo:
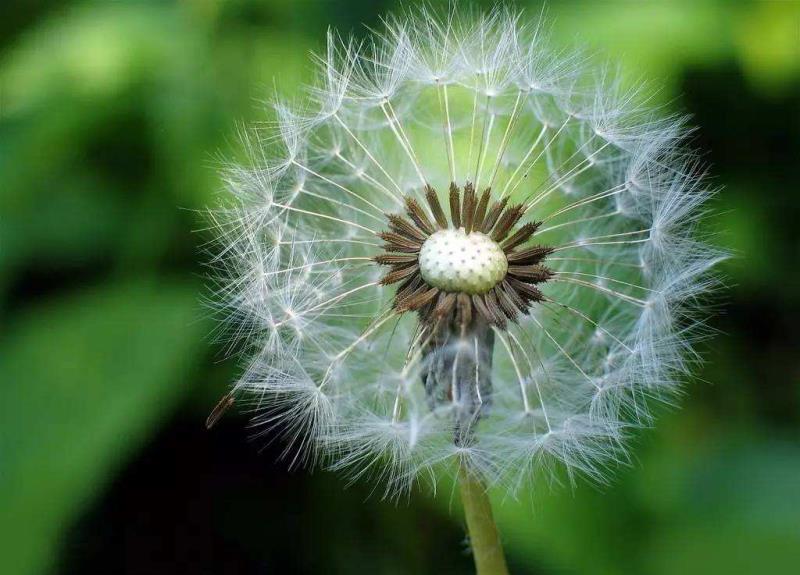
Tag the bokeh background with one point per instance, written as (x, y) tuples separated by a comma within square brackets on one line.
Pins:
[(113, 117)]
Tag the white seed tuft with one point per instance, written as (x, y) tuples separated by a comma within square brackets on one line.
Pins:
[(479, 99)]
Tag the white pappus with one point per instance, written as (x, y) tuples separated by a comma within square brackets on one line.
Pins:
[(445, 134)]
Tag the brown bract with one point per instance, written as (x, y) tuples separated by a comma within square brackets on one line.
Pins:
[(506, 301)]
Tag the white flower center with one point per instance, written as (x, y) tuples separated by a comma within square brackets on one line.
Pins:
[(456, 261)]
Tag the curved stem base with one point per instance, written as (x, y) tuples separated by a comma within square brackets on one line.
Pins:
[(484, 539)]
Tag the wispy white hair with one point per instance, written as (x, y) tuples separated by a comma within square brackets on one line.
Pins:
[(482, 97)]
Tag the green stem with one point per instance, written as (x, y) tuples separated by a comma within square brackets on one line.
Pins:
[(485, 542)]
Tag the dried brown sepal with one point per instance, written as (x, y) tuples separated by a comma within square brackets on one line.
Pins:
[(392, 259), (418, 299), (494, 213), (408, 287), (391, 247), (468, 207), (463, 310), (416, 213), (508, 306), (494, 308), (400, 299), (532, 255), (518, 213), (522, 235), (398, 243), (533, 273), (403, 227), (445, 305), (426, 298), (223, 405), (436, 207), (505, 288), (455, 205), (426, 313), (400, 274), (483, 311), (507, 221), (528, 292), (480, 211)]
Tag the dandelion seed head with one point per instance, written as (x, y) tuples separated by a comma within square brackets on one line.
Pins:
[(461, 246)]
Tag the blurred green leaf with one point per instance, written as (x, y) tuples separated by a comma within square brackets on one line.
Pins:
[(768, 38), (656, 39), (85, 380), (739, 513), (701, 501)]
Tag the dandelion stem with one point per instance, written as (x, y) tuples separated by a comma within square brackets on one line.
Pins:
[(487, 551)]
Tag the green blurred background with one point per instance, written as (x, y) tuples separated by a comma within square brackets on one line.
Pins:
[(113, 117)]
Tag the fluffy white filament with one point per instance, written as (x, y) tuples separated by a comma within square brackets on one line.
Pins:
[(480, 98)]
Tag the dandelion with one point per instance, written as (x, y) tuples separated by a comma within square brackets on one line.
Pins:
[(463, 252)]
